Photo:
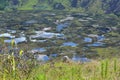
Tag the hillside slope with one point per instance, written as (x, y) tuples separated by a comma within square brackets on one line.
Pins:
[(94, 6)]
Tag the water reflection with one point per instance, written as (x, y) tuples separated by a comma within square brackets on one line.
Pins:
[(42, 34), (7, 35), (17, 40), (41, 57), (11, 31), (96, 44), (87, 39), (39, 50), (61, 26), (31, 22), (77, 58), (71, 44), (81, 59), (35, 40), (21, 39), (101, 38), (53, 55)]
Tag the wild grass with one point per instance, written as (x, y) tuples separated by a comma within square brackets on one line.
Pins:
[(74, 71), (109, 52), (95, 70), (14, 66)]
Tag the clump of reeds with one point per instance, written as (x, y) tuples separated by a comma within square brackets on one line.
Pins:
[(104, 68), (115, 65)]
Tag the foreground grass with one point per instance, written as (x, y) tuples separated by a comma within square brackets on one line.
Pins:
[(104, 70), (95, 70), (19, 65)]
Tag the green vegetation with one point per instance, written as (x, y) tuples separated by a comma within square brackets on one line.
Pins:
[(96, 7), (95, 70), (28, 5), (109, 52), (93, 6), (18, 68), (3, 4), (19, 64), (41, 5), (72, 71)]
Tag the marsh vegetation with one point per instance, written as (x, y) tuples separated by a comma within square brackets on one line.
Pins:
[(33, 43)]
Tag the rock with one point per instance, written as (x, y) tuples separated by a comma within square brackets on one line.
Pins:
[(66, 59), (42, 57), (58, 6)]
